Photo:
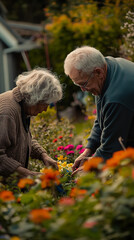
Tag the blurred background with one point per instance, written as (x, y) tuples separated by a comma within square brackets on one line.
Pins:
[(42, 32)]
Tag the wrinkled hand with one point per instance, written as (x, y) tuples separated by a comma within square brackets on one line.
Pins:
[(49, 161), (23, 172), (78, 164)]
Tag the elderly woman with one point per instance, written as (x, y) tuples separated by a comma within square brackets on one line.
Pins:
[(35, 90)]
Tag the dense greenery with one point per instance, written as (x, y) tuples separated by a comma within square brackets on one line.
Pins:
[(69, 24)]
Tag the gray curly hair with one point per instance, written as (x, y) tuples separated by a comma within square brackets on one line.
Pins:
[(84, 58), (39, 85)]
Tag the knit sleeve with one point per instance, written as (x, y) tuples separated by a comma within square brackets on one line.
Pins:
[(37, 150), (7, 140)]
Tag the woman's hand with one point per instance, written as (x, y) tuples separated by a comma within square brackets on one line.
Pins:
[(23, 172), (49, 161)]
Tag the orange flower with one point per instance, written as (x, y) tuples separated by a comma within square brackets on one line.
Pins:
[(39, 215), (6, 196), (75, 192), (118, 156), (92, 163), (49, 177), (24, 181)]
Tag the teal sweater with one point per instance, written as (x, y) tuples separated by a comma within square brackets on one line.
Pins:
[(115, 110)]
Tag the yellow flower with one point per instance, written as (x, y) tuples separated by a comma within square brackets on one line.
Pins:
[(60, 157), (64, 164), (91, 117), (15, 238)]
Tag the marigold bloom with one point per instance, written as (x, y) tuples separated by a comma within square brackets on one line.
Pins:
[(49, 177), (61, 157), (24, 181), (75, 192), (91, 117), (39, 215), (14, 238), (66, 201), (118, 156), (92, 163), (6, 196)]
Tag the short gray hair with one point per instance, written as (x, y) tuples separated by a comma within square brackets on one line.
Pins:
[(85, 59), (39, 85)]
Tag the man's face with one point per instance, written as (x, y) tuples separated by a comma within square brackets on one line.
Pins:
[(90, 83)]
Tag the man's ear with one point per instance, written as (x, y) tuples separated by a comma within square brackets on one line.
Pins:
[(99, 72)]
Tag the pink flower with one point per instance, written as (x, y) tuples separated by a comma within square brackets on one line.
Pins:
[(56, 156), (69, 146), (66, 201), (82, 150), (60, 148), (94, 111), (79, 147), (89, 224), (70, 152)]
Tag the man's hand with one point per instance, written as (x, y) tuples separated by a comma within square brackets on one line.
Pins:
[(78, 164), (49, 161), (23, 172)]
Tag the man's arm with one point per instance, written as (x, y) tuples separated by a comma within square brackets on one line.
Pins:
[(117, 122)]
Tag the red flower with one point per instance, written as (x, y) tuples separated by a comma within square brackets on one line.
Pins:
[(55, 140), (60, 137), (60, 148)]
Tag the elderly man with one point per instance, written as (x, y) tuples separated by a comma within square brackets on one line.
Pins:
[(35, 90), (111, 80)]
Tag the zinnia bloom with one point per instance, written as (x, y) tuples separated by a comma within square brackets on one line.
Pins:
[(60, 137), (39, 215), (24, 181), (60, 148), (69, 146), (6, 196), (92, 163), (70, 152), (79, 147), (82, 150), (89, 224), (66, 201)]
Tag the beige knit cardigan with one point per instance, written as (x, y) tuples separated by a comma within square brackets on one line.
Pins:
[(14, 140)]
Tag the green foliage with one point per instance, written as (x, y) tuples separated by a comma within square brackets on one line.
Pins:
[(83, 24)]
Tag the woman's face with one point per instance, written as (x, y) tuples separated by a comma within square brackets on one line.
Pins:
[(35, 109)]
